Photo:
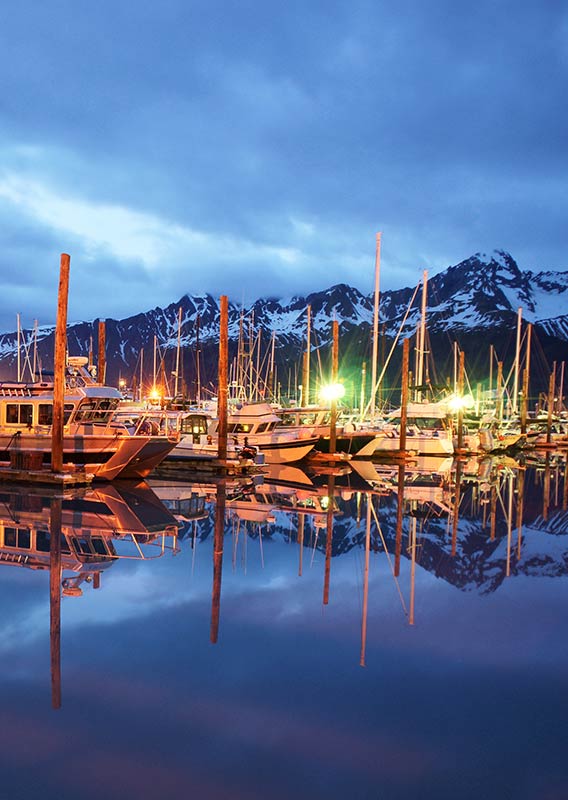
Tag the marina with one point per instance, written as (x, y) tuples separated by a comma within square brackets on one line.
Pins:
[(349, 627)]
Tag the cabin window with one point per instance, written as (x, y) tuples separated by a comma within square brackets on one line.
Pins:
[(96, 410), (239, 427), (19, 414), (45, 413), (17, 537), (194, 425), (264, 426), (43, 542)]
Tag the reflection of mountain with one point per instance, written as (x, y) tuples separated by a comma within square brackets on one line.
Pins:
[(480, 557), (98, 526)]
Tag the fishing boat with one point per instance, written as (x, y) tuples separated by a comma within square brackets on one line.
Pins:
[(256, 425), (99, 526), (94, 440), (428, 432)]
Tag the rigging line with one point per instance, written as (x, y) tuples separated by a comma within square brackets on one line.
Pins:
[(389, 560), (395, 342)]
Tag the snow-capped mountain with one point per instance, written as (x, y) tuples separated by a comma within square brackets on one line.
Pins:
[(475, 302)]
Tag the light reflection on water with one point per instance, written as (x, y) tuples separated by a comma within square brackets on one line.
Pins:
[(389, 632)]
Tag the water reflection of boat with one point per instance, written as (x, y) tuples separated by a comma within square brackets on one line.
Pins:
[(98, 526)]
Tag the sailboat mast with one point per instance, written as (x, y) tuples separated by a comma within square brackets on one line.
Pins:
[(176, 382), (422, 336), (517, 360), (374, 364)]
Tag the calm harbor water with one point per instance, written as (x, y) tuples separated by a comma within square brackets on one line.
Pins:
[(421, 654)]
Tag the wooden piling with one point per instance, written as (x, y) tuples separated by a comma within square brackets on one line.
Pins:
[(59, 366), (101, 361), (334, 370), (223, 378), (551, 386)]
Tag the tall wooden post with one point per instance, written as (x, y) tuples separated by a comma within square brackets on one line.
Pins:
[(55, 601), (334, 368), (101, 371), (59, 366), (222, 378), (404, 396)]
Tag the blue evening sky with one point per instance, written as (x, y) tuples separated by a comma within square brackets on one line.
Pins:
[(254, 148)]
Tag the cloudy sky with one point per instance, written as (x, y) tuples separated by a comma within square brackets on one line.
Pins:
[(252, 148)]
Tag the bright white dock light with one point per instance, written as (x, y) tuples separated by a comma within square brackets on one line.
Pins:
[(457, 403), (332, 392)]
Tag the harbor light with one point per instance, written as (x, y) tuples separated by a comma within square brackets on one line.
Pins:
[(457, 403), (332, 392)]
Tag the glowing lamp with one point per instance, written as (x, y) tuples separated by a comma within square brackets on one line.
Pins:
[(457, 403), (332, 392)]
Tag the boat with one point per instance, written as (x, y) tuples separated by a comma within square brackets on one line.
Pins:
[(256, 425), (428, 432), (351, 437), (99, 526), (94, 439)]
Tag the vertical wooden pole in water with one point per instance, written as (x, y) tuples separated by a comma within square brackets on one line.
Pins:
[(222, 378), (565, 493), (59, 366), (55, 601), (101, 370), (334, 368), (329, 539), (404, 397), (218, 560)]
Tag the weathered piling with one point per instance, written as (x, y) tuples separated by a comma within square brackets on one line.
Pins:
[(59, 366), (101, 360), (222, 378)]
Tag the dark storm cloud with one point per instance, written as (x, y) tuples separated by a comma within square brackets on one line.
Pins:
[(252, 147)]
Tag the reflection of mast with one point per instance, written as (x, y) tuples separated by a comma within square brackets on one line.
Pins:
[(217, 560), (412, 544), (456, 507), (509, 525), (301, 522), (366, 582), (329, 535), (398, 541), (520, 504), (55, 601)]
